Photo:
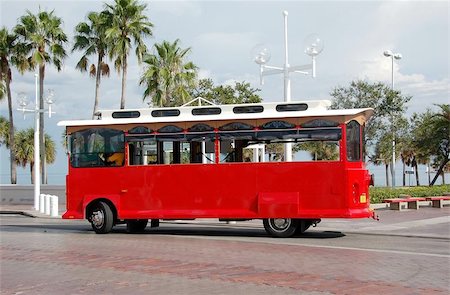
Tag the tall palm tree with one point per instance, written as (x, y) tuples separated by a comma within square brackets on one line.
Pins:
[(168, 77), (91, 38), (7, 58), (25, 149), (128, 23), (43, 40)]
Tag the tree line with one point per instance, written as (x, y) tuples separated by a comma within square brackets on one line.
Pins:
[(170, 79), (421, 139)]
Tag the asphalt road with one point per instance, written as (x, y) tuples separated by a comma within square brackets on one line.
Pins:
[(404, 253)]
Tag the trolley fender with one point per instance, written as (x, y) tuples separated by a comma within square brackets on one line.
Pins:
[(114, 199)]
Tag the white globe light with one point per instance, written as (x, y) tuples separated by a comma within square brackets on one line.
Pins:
[(397, 56), (22, 99), (50, 99), (261, 54), (387, 53), (313, 45)]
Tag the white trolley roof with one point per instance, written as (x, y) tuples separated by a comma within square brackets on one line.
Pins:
[(311, 108)]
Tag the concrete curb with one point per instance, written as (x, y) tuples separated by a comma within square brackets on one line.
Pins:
[(12, 212), (27, 213)]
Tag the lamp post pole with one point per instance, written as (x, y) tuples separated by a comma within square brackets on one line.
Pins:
[(392, 56), (287, 83), (37, 148), (37, 110), (287, 80), (263, 56)]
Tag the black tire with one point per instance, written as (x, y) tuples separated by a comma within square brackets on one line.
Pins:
[(280, 227), (101, 218), (136, 225)]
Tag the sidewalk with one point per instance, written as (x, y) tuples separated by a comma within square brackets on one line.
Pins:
[(29, 211)]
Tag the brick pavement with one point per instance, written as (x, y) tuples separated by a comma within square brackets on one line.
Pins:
[(48, 261)]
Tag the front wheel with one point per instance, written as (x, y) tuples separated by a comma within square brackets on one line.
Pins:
[(280, 227), (101, 218)]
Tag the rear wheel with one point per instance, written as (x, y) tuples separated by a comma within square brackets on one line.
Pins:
[(281, 227), (136, 225), (101, 218)]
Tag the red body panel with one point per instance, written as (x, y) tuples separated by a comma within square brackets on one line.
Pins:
[(335, 189)]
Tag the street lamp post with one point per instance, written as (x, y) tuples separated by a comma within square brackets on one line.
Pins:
[(314, 46), (392, 56), (23, 102)]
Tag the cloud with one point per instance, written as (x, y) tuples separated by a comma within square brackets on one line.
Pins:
[(424, 90), (225, 49), (177, 8)]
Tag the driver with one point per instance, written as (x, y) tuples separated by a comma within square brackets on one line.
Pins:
[(116, 159)]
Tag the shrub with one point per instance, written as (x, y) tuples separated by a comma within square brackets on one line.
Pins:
[(378, 194)]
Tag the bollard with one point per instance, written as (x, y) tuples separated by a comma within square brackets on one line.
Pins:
[(41, 203), (54, 206), (47, 204)]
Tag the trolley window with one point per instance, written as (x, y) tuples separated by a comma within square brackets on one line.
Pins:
[(353, 141), (97, 147)]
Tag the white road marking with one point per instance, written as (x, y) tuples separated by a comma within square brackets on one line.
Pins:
[(286, 242)]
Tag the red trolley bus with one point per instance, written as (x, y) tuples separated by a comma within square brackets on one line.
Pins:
[(131, 166)]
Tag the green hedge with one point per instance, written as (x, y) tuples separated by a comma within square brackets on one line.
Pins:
[(378, 194)]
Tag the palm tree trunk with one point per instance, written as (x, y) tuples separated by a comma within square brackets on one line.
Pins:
[(41, 124), (388, 184), (97, 84), (439, 172), (124, 78), (12, 145), (416, 170), (404, 176), (32, 172)]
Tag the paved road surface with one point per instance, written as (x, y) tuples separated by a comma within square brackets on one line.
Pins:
[(404, 253)]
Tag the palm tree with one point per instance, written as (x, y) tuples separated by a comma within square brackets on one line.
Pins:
[(43, 40), (128, 23), (168, 78), (8, 57), (440, 127), (4, 131), (91, 37), (319, 150), (382, 154), (25, 149), (2, 89)]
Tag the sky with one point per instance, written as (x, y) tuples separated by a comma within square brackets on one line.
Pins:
[(222, 34)]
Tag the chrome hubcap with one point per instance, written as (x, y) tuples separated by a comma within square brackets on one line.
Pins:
[(280, 224), (97, 219)]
